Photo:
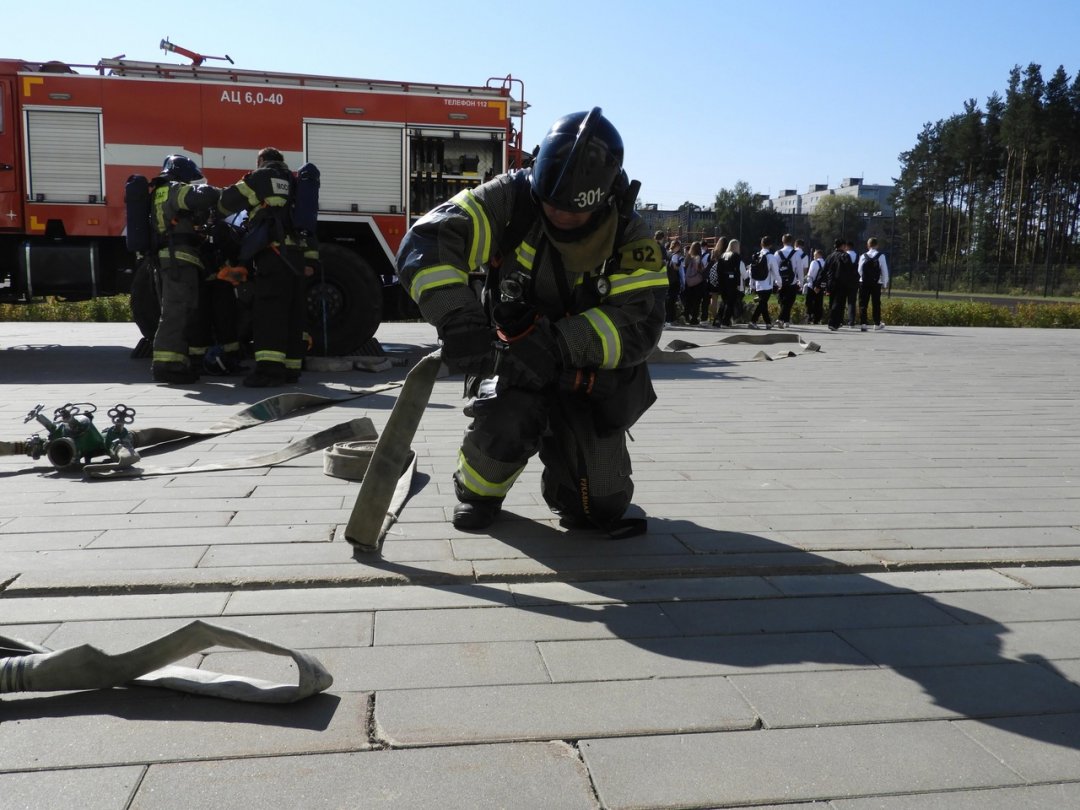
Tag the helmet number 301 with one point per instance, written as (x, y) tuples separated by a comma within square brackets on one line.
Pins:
[(587, 199)]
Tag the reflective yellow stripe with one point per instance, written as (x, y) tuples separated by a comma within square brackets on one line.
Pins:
[(248, 192), (267, 356), (638, 280), (480, 246), (430, 278), (161, 356), (182, 255), (526, 255), (477, 484), (294, 364), (161, 196), (608, 334)]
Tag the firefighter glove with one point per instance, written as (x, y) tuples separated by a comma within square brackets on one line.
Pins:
[(467, 347), (532, 361)]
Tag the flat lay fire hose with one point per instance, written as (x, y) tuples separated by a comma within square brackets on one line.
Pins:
[(28, 667)]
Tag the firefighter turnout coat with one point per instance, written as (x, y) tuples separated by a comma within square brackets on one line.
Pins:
[(607, 315)]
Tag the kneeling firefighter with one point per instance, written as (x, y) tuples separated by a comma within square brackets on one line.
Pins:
[(555, 354)]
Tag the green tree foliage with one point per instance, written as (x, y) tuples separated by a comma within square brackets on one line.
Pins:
[(841, 216), (990, 197), (740, 214)]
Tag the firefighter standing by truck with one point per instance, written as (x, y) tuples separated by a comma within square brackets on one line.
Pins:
[(577, 305), (282, 258), (178, 211)]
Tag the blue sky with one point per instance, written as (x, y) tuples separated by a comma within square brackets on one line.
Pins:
[(781, 94)]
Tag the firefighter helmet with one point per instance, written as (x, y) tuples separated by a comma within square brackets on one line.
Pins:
[(182, 168), (579, 162)]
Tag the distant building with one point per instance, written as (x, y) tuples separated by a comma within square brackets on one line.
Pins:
[(790, 203)]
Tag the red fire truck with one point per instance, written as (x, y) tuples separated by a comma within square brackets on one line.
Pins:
[(70, 135)]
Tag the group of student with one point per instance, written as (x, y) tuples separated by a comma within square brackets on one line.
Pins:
[(711, 284)]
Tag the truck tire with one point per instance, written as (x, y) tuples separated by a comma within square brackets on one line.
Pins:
[(344, 302), (145, 307)]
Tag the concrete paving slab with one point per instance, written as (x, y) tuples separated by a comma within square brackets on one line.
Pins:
[(96, 788), (977, 557), (966, 644), (807, 614), (1045, 576), (670, 565), (320, 553), (863, 761), (421, 717), (102, 559), (642, 590), (914, 581), (300, 631), (1012, 606), (334, 600), (62, 523), (36, 633), (628, 659), (530, 776), (1040, 749), (352, 572), (1035, 797), (926, 693), (87, 608), (45, 541), (416, 666), (163, 535), (123, 727), (438, 626)]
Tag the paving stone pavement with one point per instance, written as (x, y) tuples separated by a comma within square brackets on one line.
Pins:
[(860, 589)]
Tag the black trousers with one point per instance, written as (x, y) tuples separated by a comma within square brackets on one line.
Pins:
[(762, 308), (586, 473), (730, 307), (815, 305), (870, 294), (787, 296), (841, 296), (277, 319), (693, 299)]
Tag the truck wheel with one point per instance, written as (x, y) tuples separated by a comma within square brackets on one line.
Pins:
[(145, 308), (344, 302)]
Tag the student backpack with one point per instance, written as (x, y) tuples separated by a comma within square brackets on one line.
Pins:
[(759, 267)]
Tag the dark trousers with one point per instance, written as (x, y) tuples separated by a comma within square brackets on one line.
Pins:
[(586, 473), (693, 299), (815, 305), (277, 319), (729, 308), (787, 296), (178, 292), (870, 294), (841, 297), (669, 304), (217, 316), (762, 308)]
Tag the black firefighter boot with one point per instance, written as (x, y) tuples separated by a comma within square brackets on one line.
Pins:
[(266, 375), (476, 515)]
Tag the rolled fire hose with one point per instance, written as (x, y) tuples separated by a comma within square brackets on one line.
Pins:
[(30, 667)]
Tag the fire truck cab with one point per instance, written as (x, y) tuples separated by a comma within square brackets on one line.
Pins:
[(71, 135)]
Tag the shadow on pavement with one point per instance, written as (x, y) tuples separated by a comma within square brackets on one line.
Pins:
[(954, 655), (314, 713)]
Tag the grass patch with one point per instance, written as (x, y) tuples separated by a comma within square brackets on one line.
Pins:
[(114, 309), (894, 311)]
